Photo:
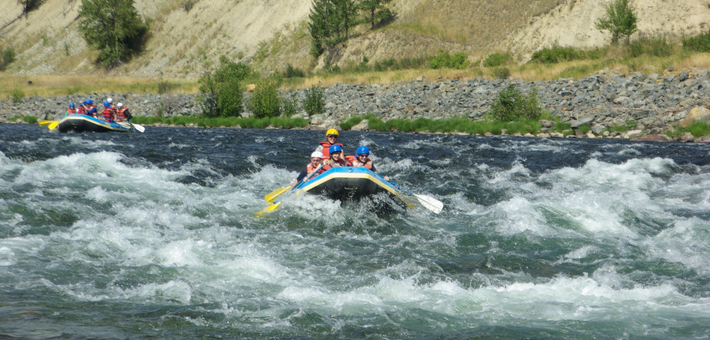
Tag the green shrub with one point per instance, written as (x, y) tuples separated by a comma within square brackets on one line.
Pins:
[(620, 21), (699, 43), (501, 72), (561, 126), (347, 125), (556, 54), (265, 102), (17, 95), (221, 92), (30, 119), (636, 49), (315, 100), (165, 87), (292, 72), (444, 60), (512, 105), (584, 129), (288, 107), (8, 56), (497, 59), (660, 47)]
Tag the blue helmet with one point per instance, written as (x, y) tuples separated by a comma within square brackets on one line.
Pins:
[(106, 104), (72, 105), (89, 102), (335, 148), (362, 150)]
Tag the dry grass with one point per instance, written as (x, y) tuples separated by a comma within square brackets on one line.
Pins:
[(65, 85), (68, 85)]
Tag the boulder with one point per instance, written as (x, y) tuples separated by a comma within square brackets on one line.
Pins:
[(633, 133), (362, 126), (697, 113), (652, 138), (687, 137), (585, 120)]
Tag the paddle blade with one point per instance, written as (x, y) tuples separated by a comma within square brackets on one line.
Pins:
[(138, 127), (53, 125), (272, 196), (268, 210), (45, 122), (430, 203)]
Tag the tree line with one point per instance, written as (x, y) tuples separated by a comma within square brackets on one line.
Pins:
[(331, 21)]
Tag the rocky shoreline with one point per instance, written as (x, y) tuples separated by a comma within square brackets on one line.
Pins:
[(604, 99)]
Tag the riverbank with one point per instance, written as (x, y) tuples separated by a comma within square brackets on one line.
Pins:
[(594, 106)]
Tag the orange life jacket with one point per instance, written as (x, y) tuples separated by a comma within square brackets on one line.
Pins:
[(121, 113), (367, 164), (71, 111), (326, 149), (81, 110)]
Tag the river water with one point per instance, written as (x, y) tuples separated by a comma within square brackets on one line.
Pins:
[(153, 235)]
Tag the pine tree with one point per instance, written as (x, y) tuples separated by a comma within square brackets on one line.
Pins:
[(112, 26), (29, 5), (375, 11), (330, 23)]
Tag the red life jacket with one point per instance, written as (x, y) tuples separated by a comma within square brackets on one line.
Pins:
[(81, 110), (329, 164), (108, 114), (71, 111), (326, 149)]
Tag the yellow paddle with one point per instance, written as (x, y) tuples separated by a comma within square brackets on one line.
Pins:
[(53, 125), (45, 122), (272, 196), (267, 210)]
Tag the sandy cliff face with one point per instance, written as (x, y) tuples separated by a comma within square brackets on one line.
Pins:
[(185, 43), (182, 42), (572, 24)]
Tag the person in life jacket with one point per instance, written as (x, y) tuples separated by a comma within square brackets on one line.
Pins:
[(332, 139), (336, 158), (122, 113), (107, 113), (316, 161), (72, 109), (81, 109), (361, 159), (91, 108)]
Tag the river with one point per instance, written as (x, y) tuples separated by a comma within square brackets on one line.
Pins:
[(153, 235)]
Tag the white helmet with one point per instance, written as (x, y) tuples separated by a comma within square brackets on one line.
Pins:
[(317, 154), (119, 104), (109, 100)]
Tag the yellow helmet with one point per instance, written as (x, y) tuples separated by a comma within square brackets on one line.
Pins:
[(331, 132)]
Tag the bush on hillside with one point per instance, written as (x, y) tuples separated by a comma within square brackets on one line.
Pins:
[(8, 56), (501, 72), (444, 60), (657, 47), (221, 91), (265, 102), (497, 59), (292, 72), (699, 43), (511, 105)]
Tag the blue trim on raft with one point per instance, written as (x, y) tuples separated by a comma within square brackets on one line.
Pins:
[(350, 183), (85, 123)]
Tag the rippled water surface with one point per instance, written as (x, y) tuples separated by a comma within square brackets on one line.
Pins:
[(153, 235)]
